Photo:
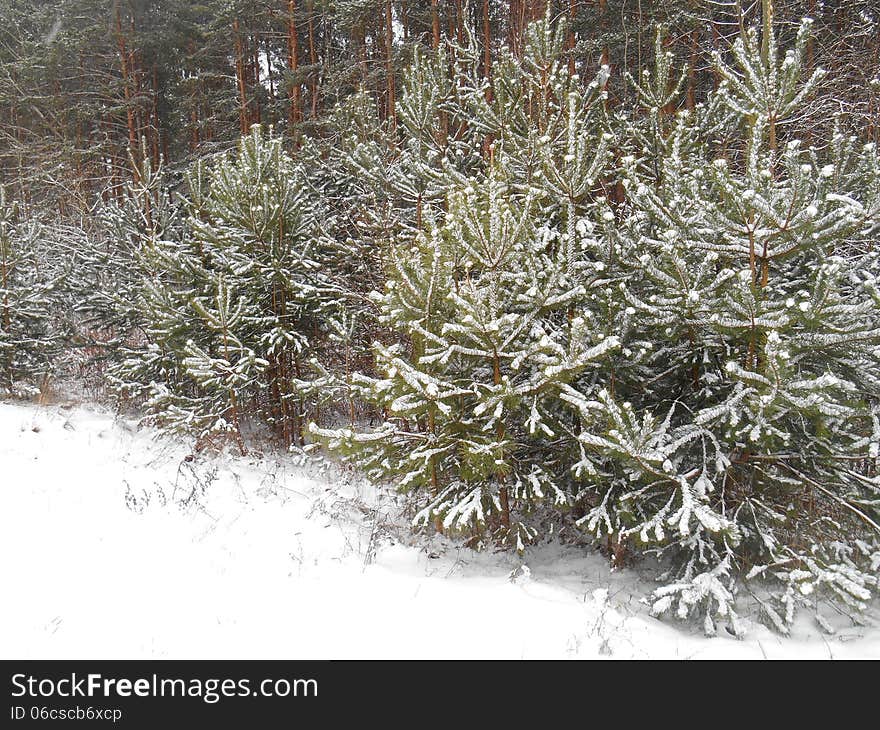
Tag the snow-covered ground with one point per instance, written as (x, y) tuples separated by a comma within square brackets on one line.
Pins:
[(114, 545)]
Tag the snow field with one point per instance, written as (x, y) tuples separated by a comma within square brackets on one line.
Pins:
[(115, 544)]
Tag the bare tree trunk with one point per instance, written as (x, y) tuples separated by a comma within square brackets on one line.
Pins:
[(767, 31), (156, 123), (435, 26), (313, 59), (605, 59), (124, 59), (873, 106), (766, 28), (359, 41), (194, 122), (243, 115), (810, 42), (691, 101), (487, 48), (389, 63), (295, 114), (255, 77), (515, 22), (7, 318)]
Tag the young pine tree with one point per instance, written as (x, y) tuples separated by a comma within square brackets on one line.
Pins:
[(473, 421), (740, 437), (32, 330), (236, 306)]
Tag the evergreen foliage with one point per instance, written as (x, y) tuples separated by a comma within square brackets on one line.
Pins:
[(691, 370), (538, 303), (235, 305), (485, 299), (32, 301), (730, 441)]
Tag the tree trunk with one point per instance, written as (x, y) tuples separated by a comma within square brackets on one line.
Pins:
[(243, 115), (515, 18), (487, 49), (691, 100), (156, 123), (255, 77), (124, 59), (435, 26), (389, 63), (295, 113), (605, 59), (313, 59)]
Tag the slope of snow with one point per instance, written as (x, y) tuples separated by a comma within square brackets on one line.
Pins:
[(115, 545)]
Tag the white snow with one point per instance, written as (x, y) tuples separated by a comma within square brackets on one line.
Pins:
[(268, 559)]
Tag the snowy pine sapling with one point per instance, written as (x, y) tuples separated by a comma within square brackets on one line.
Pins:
[(236, 304), (32, 330), (739, 440), (472, 403)]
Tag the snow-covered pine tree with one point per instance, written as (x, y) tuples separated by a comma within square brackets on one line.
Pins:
[(226, 371), (472, 404), (349, 169), (563, 149), (487, 298), (257, 224), (32, 323), (436, 141), (657, 91), (140, 276), (546, 125), (740, 438), (133, 230), (436, 147), (236, 305)]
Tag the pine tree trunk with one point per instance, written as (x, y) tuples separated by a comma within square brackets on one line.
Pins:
[(243, 115), (313, 59), (7, 321), (435, 26), (435, 481), (605, 58), (359, 41), (295, 113), (515, 13), (716, 45), (157, 135), (140, 125), (233, 400), (487, 49), (810, 42), (873, 105), (668, 109), (255, 77), (194, 123), (389, 63), (691, 101), (126, 83)]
